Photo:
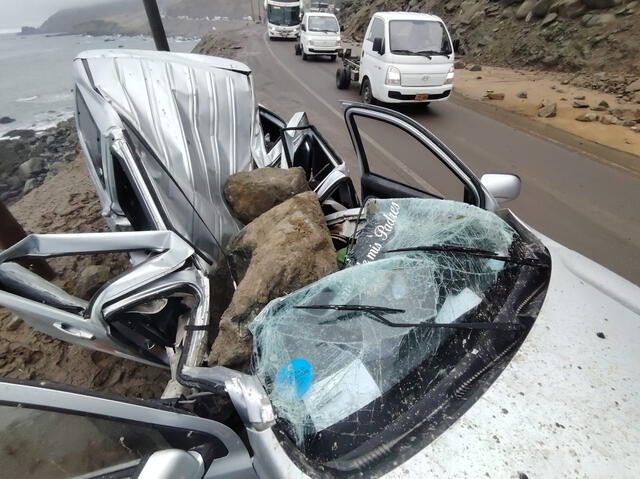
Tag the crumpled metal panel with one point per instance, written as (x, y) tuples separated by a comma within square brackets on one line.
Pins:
[(197, 115)]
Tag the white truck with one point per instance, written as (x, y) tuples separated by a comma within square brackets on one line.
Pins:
[(406, 57), (319, 35)]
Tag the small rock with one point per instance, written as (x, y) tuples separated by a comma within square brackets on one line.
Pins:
[(490, 95), (31, 167), (628, 123), (522, 94), (598, 108), (50, 139), (601, 335), (588, 117), (581, 97), (547, 110), (29, 185), (475, 68), (459, 65), (609, 120), (635, 128), (528, 17), (549, 19), (478, 78), (599, 4), (14, 323), (633, 87), (90, 280), (6, 119), (564, 82), (580, 104)]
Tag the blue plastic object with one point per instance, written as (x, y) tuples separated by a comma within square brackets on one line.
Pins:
[(294, 378)]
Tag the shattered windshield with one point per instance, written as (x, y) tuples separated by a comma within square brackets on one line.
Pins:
[(331, 353), (416, 36)]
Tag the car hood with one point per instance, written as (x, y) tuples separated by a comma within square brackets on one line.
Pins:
[(567, 404)]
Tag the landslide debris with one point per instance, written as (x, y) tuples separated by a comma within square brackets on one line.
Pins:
[(252, 193), (281, 251)]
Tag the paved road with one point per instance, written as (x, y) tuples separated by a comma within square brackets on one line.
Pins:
[(590, 207)]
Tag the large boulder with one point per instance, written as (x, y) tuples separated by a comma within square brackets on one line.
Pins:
[(525, 9), (252, 193), (281, 251), (541, 8), (568, 8)]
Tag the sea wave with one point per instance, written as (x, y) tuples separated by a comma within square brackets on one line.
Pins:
[(28, 98)]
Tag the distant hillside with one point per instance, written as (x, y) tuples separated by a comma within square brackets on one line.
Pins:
[(234, 9), (66, 20)]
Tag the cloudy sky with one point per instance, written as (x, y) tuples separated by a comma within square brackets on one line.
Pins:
[(16, 13)]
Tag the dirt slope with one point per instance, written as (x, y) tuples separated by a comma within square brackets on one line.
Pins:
[(67, 203)]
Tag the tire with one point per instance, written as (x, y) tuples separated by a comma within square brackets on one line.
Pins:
[(343, 78), (297, 49), (366, 93), (305, 57)]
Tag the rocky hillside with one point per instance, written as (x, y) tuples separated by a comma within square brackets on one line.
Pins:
[(66, 20), (563, 35)]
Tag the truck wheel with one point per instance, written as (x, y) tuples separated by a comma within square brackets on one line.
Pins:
[(367, 93), (343, 80), (305, 57)]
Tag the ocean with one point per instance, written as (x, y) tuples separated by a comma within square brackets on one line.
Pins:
[(36, 81)]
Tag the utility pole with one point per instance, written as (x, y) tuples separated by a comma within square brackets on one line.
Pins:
[(253, 11), (10, 233), (155, 23)]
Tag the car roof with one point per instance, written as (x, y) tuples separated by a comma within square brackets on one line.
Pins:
[(407, 16)]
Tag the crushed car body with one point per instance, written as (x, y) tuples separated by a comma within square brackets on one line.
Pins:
[(447, 323)]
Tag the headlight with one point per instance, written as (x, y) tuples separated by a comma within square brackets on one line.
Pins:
[(311, 43), (393, 76)]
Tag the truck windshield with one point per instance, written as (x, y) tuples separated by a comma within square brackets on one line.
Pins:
[(283, 16), (323, 24), (408, 37)]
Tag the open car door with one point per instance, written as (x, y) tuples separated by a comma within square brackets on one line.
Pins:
[(61, 432), (412, 163)]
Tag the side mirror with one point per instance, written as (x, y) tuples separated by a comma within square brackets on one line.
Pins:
[(303, 28), (503, 187), (377, 45), (172, 463)]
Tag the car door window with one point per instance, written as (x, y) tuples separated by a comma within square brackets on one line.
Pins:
[(44, 443), (399, 159), (377, 30)]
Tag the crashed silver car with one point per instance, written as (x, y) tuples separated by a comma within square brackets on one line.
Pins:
[(454, 341)]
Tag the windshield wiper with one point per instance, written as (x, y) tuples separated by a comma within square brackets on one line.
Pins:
[(377, 312), (430, 53), (481, 253)]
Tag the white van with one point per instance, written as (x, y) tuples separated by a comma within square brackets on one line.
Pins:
[(406, 57), (319, 35)]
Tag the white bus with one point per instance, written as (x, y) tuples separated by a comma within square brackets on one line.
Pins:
[(283, 18)]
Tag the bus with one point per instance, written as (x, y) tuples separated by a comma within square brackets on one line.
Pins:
[(283, 18)]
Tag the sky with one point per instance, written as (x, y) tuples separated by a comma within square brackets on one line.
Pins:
[(18, 13)]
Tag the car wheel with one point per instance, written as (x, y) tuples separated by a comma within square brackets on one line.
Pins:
[(367, 93), (297, 49), (305, 57), (343, 78)]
